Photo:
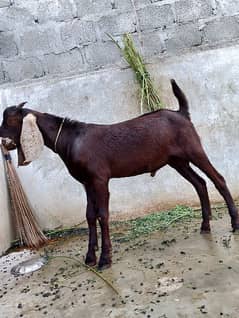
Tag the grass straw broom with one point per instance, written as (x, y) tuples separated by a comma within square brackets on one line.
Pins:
[(27, 228), (149, 97)]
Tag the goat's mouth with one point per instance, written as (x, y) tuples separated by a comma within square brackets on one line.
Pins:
[(10, 144)]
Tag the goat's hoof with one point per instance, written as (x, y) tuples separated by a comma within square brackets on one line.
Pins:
[(205, 231), (90, 260), (104, 263), (235, 229), (103, 267), (205, 228)]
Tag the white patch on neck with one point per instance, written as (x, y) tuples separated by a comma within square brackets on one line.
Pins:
[(31, 138)]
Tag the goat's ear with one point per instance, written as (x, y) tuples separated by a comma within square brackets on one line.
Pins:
[(31, 138), (21, 104)]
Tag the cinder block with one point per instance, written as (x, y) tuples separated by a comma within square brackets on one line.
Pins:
[(142, 3), (48, 10), (220, 30), (34, 41), (39, 40), (123, 5), (102, 7), (229, 7), (60, 10), (102, 54), (65, 62), (3, 25), (2, 77), (77, 32), (155, 16), (192, 10), (5, 3), (182, 37), (86, 7), (20, 69), (153, 43), (84, 31), (117, 24), (8, 46), (54, 38), (14, 18)]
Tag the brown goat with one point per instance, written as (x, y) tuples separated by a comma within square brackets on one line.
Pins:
[(95, 153)]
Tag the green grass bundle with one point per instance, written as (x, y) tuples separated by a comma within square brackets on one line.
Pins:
[(150, 100)]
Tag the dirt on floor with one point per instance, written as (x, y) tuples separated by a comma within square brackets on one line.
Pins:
[(168, 274)]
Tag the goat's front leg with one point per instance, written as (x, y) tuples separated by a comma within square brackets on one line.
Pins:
[(91, 219), (102, 203)]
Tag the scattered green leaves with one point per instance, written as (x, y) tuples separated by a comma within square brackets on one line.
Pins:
[(158, 221)]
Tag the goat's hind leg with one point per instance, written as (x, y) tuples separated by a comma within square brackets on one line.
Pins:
[(202, 162), (200, 186)]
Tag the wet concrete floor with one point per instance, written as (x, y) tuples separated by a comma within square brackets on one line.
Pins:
[(176, 273)]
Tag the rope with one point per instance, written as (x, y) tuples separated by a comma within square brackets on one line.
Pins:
[(58, 134)]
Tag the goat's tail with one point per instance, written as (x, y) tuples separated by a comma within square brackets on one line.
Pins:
[(182, 100)]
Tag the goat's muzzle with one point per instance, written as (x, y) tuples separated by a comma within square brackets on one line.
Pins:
[(9, 144)]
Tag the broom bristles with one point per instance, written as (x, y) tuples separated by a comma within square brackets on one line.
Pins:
[(27, 228)]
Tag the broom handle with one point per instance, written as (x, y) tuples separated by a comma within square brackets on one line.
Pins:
[(6, 153)]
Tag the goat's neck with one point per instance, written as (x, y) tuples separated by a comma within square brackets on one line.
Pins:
[(49, 126)]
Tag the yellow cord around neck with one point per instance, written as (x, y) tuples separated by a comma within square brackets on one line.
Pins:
[(58, 133)]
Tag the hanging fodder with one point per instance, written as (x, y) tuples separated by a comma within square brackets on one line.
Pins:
[(150, 101)]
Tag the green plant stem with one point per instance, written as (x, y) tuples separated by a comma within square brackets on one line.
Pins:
[(149, 96), (176, 219), (91, 269)]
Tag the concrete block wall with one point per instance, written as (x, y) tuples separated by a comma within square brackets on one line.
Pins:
[(57, 37)]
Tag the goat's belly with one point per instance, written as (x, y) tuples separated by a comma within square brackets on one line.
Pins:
[(129, 173), (134, 171), (143, 163)]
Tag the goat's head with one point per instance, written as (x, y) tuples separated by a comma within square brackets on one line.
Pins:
[(21, 128)]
